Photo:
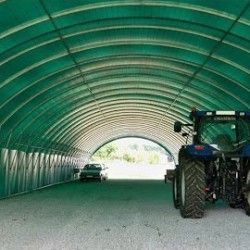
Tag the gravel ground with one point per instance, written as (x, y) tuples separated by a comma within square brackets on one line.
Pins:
[(115, 215)]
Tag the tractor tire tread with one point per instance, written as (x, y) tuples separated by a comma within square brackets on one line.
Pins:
[(194, 189)]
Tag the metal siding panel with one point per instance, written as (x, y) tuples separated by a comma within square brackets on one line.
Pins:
[(29, 172), (51, 169), (46, 169), (13, 184), (56, 169), (3, 170), (41, 170), (21, 171)]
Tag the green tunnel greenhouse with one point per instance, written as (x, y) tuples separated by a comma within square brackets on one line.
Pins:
[(77, 74)]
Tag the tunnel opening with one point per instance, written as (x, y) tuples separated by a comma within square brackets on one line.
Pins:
[(134, 158)]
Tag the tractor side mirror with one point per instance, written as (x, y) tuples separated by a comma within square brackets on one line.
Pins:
[(177, 127)]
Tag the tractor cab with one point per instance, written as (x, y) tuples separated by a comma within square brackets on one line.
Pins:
[(219, 131)]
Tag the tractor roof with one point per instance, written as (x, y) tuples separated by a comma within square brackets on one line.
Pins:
[(220, 113)]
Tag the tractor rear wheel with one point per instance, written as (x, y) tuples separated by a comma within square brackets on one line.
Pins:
[(247, 205), (192, 188)]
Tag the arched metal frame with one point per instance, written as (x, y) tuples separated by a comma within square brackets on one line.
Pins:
[(77, 74)]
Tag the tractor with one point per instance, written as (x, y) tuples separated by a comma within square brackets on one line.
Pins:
[(216, 165)]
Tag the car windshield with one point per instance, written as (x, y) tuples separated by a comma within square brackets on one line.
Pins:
[(225, 132), (93, 167)]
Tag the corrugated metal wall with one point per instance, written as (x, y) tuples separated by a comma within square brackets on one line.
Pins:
[(22, 172)]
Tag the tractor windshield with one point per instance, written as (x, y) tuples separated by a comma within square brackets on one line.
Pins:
[(225, 132)]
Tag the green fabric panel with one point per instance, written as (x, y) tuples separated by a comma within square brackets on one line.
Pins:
[(72, 69)]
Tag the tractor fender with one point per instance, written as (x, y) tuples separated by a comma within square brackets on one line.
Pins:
[(199, 150), (246, 151)]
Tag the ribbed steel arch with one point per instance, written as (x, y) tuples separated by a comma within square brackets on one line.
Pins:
[(133, 131), (79, 123), (111, 108), (77, 74), (53, 85), (122, 117), (87, 113)]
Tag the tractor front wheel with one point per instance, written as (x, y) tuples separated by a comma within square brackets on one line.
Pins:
[(176, 189)]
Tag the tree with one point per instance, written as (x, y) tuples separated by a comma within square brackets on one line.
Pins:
[(128, 158), (106, 152), (153, 158)]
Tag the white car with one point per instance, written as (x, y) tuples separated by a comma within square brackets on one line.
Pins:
[(94, 171)]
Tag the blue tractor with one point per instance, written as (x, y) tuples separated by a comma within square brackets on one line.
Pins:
[(217, 163)]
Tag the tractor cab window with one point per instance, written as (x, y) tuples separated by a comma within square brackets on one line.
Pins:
[(225, 133), (244, 130)]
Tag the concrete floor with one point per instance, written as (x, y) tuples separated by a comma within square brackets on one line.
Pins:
[(115, 215)]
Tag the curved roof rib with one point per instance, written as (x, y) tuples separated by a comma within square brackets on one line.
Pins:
[(78, 74)]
